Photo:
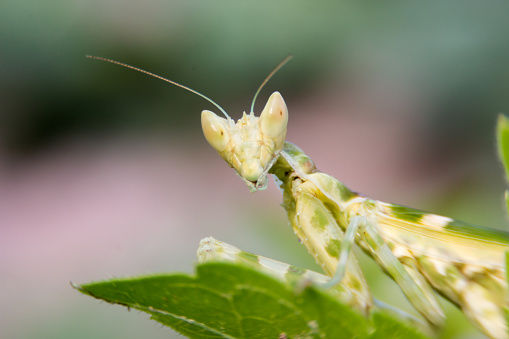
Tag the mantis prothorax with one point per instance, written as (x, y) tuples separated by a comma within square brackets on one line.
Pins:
[(423, 253)]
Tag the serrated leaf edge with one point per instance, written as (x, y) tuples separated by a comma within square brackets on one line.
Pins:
[(150, 310)]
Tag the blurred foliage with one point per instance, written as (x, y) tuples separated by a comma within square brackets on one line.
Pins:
[(503, 148), (503, 142)]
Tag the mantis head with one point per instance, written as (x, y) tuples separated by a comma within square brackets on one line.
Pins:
[(252, 145)]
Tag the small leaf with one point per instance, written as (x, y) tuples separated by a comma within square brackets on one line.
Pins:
[(227, 300), (503, 142)]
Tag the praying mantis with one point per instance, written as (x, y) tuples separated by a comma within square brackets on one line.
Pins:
[(423, 253)]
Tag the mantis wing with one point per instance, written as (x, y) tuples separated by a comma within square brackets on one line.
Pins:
[(463, 262), (441, 237)]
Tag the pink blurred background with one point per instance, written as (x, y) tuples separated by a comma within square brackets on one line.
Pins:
[(104, 173)]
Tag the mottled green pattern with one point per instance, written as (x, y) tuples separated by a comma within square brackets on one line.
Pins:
[(320, 220), (292, 149), (442, 280), (414, 286), (456, 227), (407, 213), (478, 232), (248, 257), (302, 160), (345, 192), (333, 248), (334, 195), (354, 283)]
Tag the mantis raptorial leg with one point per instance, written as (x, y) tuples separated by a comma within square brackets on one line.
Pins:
[(346, 247), (211, 250), (423, 252)]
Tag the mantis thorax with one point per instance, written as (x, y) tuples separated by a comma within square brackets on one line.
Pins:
[(252, 144)]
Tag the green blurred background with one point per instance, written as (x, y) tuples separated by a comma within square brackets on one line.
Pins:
[(104, 172)]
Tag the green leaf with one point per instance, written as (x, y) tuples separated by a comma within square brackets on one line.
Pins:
[(389, 327), (228, 300), (503, 141)]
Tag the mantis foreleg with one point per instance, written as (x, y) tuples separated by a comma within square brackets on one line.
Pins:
[(318, 230), (414, 286), (211, 249), (346, 246), (214, 250)]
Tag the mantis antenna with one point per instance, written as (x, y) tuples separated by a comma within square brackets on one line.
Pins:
[(274, 71), (164, 79)]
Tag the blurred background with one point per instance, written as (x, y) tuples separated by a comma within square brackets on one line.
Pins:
[(104, 172)]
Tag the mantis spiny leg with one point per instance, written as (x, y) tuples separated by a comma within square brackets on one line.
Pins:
[(211, 249), (346, 246), (418, 290), (317, 229)]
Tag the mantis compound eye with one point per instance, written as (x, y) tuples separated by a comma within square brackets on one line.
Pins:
[(274, 117), (215, 130)]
